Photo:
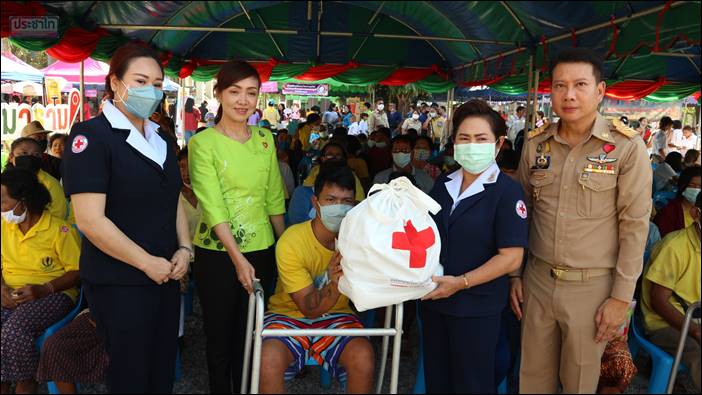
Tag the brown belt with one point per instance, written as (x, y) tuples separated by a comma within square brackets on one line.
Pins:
[(571, 274)]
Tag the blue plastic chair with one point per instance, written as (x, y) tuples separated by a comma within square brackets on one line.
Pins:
[(55, 328), (662, 361)]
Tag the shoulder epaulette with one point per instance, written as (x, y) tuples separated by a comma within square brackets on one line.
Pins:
[(538, 131), (623, 129)]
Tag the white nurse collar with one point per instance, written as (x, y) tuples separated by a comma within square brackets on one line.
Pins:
[(150, 144)]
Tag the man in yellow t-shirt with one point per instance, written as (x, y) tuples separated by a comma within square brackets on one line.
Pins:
[(307, 295), (671, 284)]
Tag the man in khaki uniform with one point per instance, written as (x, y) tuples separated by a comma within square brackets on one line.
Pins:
[(587, 182)]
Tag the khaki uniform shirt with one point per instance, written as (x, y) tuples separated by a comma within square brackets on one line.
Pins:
[(590, 204)]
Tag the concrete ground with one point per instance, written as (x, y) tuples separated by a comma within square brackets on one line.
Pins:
[(194, 368)]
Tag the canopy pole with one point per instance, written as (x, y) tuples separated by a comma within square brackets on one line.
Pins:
[(530, 81), (82, 89), (532, 120)]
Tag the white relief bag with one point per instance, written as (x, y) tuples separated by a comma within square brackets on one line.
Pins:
[(390, 246)]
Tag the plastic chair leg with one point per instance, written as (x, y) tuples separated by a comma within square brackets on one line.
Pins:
[(502, 388), (177, 365), (325, 380), (52, 389), (660, 374)]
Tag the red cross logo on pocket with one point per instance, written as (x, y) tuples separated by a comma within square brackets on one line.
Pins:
[(415, 242)]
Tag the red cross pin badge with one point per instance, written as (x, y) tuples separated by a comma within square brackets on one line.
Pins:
[(80, 143), (521, 210)]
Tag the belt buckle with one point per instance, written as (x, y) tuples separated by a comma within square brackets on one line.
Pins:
[(556, 272)]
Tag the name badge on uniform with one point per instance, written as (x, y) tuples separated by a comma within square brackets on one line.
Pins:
[(543, 160)]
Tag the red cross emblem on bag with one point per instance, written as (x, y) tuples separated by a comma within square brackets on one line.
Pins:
[(415, 242)]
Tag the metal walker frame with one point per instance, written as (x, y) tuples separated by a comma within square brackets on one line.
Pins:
[(254, 338), (681, 344)]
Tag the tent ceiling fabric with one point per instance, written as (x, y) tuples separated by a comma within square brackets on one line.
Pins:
[(493, 28)]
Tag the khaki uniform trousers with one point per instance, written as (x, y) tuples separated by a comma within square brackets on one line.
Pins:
[(558, 331)]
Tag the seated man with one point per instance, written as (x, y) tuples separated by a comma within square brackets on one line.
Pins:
[(671, 284), (307, 295)]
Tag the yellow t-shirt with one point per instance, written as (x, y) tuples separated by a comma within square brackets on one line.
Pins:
[(272, 115), (302, 261), (312, 177), (359, 167), (303, 134), (675, 264), (58, 205), (47, 251)]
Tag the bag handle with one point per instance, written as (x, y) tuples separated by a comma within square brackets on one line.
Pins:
[(417, 195)]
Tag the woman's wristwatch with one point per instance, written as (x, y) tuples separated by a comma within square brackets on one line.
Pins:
[(190, 250)]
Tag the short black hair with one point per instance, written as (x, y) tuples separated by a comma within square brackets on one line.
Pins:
[(57, 136), (677, 124), (425, 138), (183, 154), (364, 114), (579, 55), (508, 159), (664, 122), (521, 108), (24, 186), (686, 177), (403, 138), (23, 140), (312, 118), (674, 159), (340, 132), (334, 174), (642, 119), (691, 156), (367, 104), (479, 109), (333, 144)]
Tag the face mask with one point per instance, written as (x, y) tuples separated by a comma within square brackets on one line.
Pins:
[(475, 158), (432, 114), (43, 144), (401, 159), (11, 218), (415, 116), (381, 144), (381, 107), (29, 162), (142, 101), (449, 161), (333, 214), (422, 154), (371, 143), (691, 194)]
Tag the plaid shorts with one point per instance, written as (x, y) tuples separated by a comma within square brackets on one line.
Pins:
[(325, 350)]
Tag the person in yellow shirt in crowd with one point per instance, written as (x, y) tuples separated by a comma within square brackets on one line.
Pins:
[(307, 295), (672, 283), (313, 124), (271, 114), (26, 153), (40, 256)]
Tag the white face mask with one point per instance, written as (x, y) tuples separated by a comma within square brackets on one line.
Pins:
[(12, 218), (415, 116), (381, 107)]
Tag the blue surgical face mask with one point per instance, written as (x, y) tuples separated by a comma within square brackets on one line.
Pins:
[(475, 158), (401, 159), (333, 214), (142, 101), (690, 194)]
